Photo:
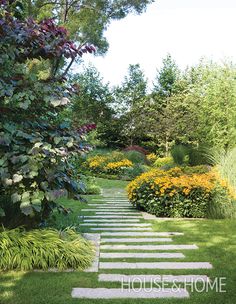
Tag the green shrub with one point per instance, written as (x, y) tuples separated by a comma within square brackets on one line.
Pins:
[(134, 171), (44, 249), (92, 190), (197, 156), (163, 161), (90, 186), (179, 154), (195, 169), (222, 205), (135, 157)]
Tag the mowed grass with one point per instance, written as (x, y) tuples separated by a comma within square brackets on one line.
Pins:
[(217, 244)]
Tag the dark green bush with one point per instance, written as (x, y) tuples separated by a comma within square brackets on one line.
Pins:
[(179, 154), (197, 156), (196, 169), (135, 157), (134, 171)]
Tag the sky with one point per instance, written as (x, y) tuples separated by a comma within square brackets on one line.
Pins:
[(187, 29)]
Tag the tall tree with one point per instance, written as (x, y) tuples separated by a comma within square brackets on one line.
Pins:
[(93, 104), (128, 99), (86, 19), (167, 76), (132, 89), (212, 101)]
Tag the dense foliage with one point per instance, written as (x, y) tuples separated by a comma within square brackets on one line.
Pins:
[(186, 192), (194, 108), (35, 145), (86, 20), (44, 249)]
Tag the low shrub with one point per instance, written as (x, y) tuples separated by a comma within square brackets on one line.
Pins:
[(179, 154), (111, 164), (90, 185), (92, 190), (163, 162), (196, 169), (44, 249), (136, 170), (175, 193), (197, 156), (151, 158), (135, 157), (118, 166), (136, 148)]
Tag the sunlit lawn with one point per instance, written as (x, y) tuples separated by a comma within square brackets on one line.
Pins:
[(217, 244)]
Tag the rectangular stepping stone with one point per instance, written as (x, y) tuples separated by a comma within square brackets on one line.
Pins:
[(137, 240), (111, 216), (141, 233), (149, 247), (117, 221), (116, 224), (143, 255), (113, 203), (112, 209), (108, 200), (117, 213), (122, 229), (155, 265), (115, 293), (109, 206), (153, 278), (126, 207)]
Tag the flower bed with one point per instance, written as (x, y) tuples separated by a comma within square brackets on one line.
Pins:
[(114, 163), (175, 193)]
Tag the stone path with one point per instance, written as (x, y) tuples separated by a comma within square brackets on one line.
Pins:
[(125, 242)]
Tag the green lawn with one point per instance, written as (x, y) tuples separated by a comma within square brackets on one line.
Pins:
[(217, 244)]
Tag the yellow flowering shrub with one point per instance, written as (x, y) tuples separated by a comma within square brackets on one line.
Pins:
[(113, 167), (112, 163), (173, 193), (152, 157), (96, 163)]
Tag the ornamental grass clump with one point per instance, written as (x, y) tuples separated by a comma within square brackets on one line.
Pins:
[(44, 249), (174, 193)]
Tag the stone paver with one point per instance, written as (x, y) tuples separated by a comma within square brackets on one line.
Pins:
[(140, 233), (117, 231), (117, 213), (112, 209), (143, 255), (116, 224), (152, 278), (110, 216), (122, 229), (154, 265), (117, 221), (113, 205), (149, 247), (113, 293), (135, 240)]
